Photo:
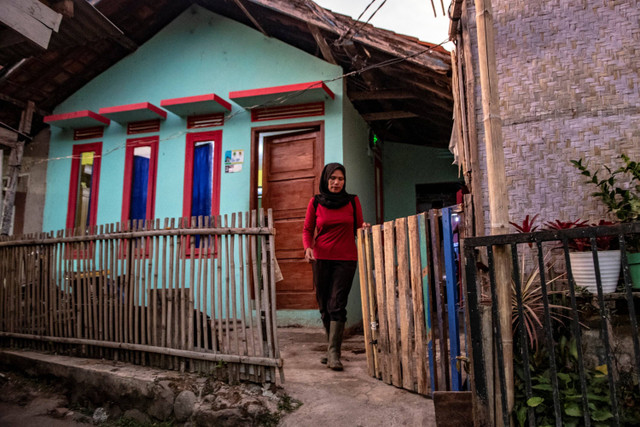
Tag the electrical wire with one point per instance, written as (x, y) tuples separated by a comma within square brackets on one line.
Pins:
[(365, 23), (339, 40)]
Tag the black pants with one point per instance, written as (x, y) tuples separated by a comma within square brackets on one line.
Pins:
[(332, 280)]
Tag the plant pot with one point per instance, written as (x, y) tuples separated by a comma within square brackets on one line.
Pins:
[(634, 268), (584, 272)]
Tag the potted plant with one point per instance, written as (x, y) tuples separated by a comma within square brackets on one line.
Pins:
[(619, 190), (581, 257)]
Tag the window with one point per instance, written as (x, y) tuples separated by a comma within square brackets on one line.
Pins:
[(84, 184), (140, 171), (202, 175)]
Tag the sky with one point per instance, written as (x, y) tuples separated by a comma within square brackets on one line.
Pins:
[(408, 17)]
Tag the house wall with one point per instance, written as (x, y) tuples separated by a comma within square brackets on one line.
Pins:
[(197, 53), (407, 165), (569, 88)]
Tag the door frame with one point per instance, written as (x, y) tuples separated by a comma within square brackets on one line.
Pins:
[(255, 139)]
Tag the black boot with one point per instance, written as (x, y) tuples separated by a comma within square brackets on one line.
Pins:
[(324, 358), (335, 343)]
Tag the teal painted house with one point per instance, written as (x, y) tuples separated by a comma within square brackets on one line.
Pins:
[(213, 115)]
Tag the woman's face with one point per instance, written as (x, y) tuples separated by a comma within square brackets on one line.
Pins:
[(336, 181)]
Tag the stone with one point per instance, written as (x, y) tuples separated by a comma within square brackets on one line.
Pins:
[(163, 401), (183, 405), (230, 417), (59, 412), (100, 415), (137, 415), (254, 410)]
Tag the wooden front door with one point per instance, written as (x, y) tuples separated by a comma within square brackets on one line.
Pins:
[(291, 168)]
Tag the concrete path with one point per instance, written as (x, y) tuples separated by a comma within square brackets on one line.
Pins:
[(348, 398)]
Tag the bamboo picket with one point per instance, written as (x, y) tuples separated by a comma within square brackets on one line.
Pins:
[(197, 297), (401, 267)]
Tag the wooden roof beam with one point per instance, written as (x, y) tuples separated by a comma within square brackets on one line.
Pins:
[(111, 30), (380, 94), (31, 18), (388, 115), (385, 41), (327, 54), (251, 18)]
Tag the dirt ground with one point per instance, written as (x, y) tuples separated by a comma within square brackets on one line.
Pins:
[(26, 402), (316, 396)]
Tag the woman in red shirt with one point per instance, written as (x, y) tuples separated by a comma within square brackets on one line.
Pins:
[(329, 244)]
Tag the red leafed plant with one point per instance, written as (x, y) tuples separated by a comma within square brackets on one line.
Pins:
[(527, 224), (583, 244)]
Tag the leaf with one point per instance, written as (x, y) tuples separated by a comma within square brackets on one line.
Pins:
[(601, 415), (546, 387), (534, 401), (602, 369), (573, 410), (564, 377), (522, 415)]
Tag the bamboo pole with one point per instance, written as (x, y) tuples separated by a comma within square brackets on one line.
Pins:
[(470, 85), (202, 306), (112, 291), (272, 286), (220, 314), (247, 246), (498, 195), (134, 234), (232, 275), (171, 292), (197, 355), (257, 293), (184, 222), (212, 293), (154, 302), (242, 287), (227, 314), (193, 254)]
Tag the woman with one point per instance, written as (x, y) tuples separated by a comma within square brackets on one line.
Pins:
[(329, 244)]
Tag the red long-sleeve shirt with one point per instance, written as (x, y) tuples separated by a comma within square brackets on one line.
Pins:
[(335, 238)]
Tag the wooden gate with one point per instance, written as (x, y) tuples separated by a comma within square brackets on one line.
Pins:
[(410, 301)]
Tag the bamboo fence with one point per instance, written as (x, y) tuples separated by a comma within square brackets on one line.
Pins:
[(411, 303), (194, 294)]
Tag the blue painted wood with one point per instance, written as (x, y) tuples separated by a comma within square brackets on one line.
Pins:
[(450, 267), (424, 261)]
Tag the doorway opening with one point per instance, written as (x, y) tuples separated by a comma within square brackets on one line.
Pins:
[(286, 163)]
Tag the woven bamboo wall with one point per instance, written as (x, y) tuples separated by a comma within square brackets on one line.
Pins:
[(569, 88)]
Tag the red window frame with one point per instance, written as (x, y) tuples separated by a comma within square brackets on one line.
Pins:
[(132, 144), (191, 141), (78, 149), (76, 159)]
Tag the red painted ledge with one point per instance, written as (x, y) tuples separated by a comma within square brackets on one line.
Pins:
[(77, 120), (134, 112)]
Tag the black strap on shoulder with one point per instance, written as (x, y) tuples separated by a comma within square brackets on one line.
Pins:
[(353, 205), (355, 218)]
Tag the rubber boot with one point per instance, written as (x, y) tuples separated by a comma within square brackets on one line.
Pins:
[(335, 342), (324, 358)]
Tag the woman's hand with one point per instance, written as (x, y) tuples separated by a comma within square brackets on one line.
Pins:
[(366, 225), (308, 255)]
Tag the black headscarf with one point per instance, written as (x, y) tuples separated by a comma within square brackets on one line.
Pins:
[(328, 199)]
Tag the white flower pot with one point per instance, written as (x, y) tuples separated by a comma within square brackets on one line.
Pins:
[(584, 273)]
